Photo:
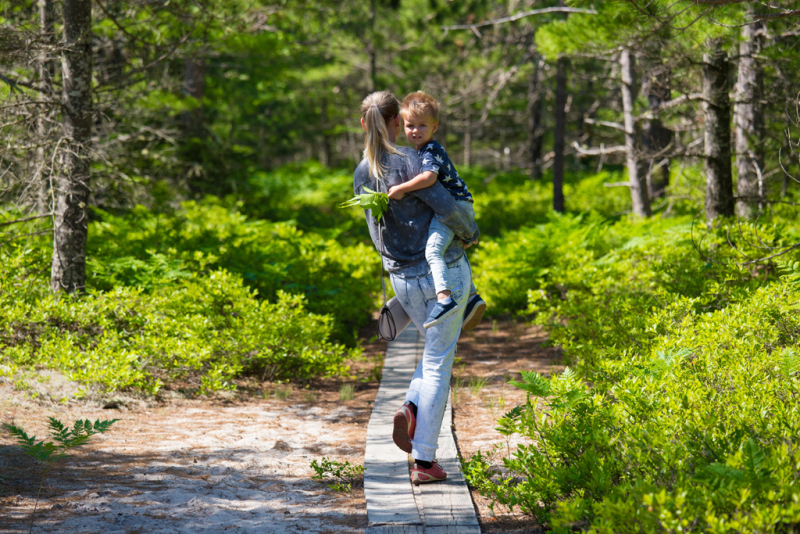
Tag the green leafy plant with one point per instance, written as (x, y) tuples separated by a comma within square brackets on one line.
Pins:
[(64, 439), (344, 474), (371, 200), (677, 412)]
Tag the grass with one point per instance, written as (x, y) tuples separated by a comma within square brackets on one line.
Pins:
[(458, 385), (477, 384), (283, 392), (347, 392)]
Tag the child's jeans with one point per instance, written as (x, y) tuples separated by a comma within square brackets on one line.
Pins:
[(439, 237)]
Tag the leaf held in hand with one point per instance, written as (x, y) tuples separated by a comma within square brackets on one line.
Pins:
[(371, 200)]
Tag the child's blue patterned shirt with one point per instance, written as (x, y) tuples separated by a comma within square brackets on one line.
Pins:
[(434, 158)]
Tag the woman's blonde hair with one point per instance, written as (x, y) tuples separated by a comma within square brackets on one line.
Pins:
[(377, 109)]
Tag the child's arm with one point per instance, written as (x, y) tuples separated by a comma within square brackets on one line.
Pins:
[(420, 181)]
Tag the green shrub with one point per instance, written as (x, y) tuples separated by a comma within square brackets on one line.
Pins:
[(203, 331), (506, 268), (698, 433), (307, 195), (146, 249), (511, 201), (680, 413)]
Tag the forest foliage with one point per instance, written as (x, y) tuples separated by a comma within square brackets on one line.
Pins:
[(634, 167)]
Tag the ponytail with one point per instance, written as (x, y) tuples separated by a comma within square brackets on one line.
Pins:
[(377, 109)]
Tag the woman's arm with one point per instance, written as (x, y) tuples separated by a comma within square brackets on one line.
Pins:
[(420, 181)]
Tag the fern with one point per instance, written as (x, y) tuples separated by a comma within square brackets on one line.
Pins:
[(754, 460), (64, 438), (42, 451), (790, 362), (533, 383), (507, 424)]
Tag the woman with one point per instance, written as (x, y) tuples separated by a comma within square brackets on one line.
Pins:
[(401, 238)]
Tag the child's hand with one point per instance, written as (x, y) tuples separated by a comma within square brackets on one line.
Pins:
[(395, 193)]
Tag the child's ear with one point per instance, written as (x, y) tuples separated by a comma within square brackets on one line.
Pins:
[(363, 124), (435, 126), (397, 121)]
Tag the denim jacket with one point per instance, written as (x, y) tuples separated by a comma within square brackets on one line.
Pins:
[(404, 226)]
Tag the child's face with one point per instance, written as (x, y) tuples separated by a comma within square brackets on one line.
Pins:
[(419, 129)]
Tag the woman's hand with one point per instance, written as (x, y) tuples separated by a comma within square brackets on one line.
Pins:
[(396, 193)]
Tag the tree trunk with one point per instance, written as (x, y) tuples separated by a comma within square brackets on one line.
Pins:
[(441, 133), (468, 140), (639, 197), (655, 136), (194, 85), (72, 200), (373, 70), (717, 107), (561, 127), (46, 73), (535, 100), (327, 142), (749, 124)]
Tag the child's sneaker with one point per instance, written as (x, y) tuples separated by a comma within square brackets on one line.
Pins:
[(440, 312), (422, 475), (404, 426), (474, 313)]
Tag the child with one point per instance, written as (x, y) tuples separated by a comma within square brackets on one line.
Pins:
[(420, 113)]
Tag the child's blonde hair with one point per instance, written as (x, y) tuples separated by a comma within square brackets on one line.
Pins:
[(377, 109), (419, 104)]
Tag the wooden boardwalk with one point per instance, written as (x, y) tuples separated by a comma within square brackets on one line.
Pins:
[(394, 506)]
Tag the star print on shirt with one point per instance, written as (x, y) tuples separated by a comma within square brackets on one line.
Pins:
[(435, 159)]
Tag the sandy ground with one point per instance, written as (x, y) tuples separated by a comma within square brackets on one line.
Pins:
[(239, 463)]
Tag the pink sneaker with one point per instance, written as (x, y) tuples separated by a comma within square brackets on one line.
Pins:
[(404, 425), (420, 475)]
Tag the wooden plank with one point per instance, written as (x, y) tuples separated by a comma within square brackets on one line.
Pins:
[(453, 529), (441, 508), (391, 508), (448, 503), (395, 529)]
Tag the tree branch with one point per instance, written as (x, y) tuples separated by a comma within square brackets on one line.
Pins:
[(33, 218), (670, 104), (615, 125), (598, 151), (518, 16)]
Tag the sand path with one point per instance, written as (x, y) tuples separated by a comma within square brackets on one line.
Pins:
[(195, 467)]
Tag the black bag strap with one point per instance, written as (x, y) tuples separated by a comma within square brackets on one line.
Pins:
[(385, 314), (383, 272)]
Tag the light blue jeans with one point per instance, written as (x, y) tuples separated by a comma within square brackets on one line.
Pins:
[(439, 238), (431, 383)]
